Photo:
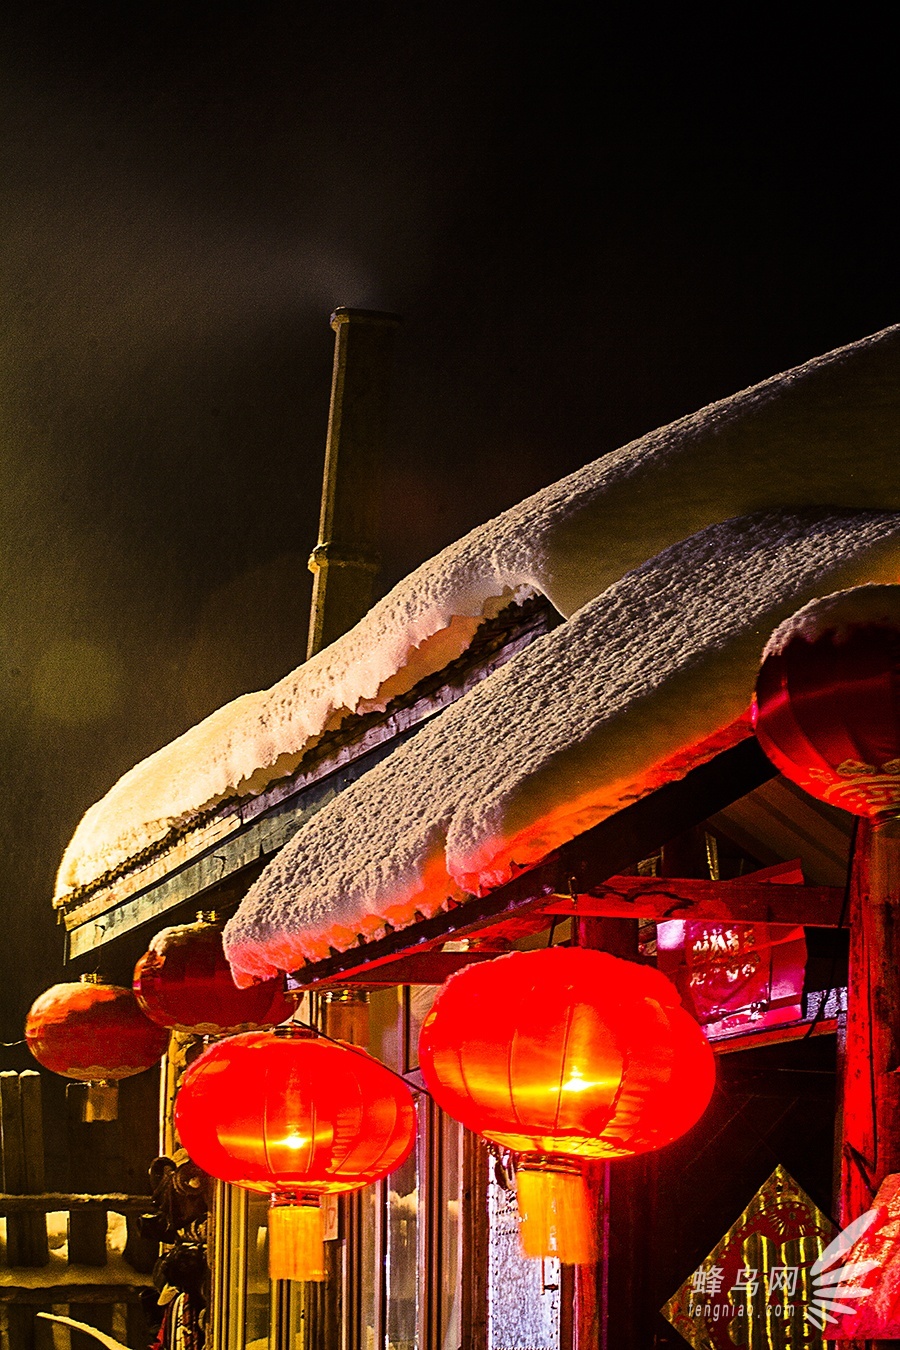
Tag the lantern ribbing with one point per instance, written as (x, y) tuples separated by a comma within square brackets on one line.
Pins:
[(566, 1057), (299, 1117), (183, 982), (95, 1033), (827, 702)]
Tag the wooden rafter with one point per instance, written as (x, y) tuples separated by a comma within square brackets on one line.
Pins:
[(743, 901)]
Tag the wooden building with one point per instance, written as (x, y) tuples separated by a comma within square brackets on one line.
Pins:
[(541, 737)]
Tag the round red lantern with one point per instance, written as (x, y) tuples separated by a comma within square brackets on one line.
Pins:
[(183, 982), (95, 1033), (298, 1116), (565, 1056), (827, 702)]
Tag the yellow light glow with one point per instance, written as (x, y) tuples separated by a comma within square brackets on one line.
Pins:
[(296, 1140)]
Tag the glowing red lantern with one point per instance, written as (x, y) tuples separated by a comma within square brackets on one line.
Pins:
[(184, 982), (565, 1056), (95, 1033), (827, 702), (299, 1116)]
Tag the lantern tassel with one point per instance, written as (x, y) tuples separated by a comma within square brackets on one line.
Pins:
[(296, 1238), (94, 1100), (557, 1213)]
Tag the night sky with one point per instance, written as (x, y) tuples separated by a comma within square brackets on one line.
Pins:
[(593, 220)]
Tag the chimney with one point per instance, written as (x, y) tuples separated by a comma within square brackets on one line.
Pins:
[(345, 561)]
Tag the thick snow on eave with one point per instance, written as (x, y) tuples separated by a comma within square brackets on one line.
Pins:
[(838, 615), (826, 432), (641, 684), (259, 738)]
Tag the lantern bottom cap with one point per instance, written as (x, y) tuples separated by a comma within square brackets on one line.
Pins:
[(292, 1199), (549, 1162)]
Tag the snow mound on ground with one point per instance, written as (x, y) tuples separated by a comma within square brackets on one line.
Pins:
[(824, 434), (649, 679), (838, 615)]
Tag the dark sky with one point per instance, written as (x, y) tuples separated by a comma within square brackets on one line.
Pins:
[(593, 220)]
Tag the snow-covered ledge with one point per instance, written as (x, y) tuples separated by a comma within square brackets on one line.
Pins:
[(823, 434)]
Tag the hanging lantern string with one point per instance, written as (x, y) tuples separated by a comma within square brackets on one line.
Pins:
[(845, 905), (358, 1050), (102, 925), (555, 920)]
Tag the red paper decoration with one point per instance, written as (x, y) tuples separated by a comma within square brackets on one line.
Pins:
[(565, 1055), (95, 1033), (298, 1116), (184, 982), (827, 713)]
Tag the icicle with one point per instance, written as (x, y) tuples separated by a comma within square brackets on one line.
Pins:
[(296, 1241), (556, 1211)]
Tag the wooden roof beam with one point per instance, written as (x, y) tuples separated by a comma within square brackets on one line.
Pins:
[(742, 901)]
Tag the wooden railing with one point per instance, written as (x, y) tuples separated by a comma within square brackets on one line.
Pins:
[(32, 1280)]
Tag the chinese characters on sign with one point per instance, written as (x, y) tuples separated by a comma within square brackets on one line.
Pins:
[(735, 976), (756, 1288), (708, 1280)]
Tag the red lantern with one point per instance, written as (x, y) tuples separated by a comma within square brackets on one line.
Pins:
[(565, 1056), (184, 982), (827, 702), (95, 1033), (299, 1116)]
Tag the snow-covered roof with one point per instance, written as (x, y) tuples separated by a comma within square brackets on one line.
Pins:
[(823, 434), (649, 679), (838, 615)]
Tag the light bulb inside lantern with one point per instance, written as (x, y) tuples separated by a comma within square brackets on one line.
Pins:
[(576, 1081), (296, 1140)]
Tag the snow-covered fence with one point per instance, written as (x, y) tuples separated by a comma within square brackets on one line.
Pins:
[(21, 1121), (85, 1265)]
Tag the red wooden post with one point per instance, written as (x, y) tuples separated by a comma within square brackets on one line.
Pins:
[(871, 1125), (870, 1129)]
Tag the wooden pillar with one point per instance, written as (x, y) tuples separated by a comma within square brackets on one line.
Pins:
[(474, 1323), (89, 1147), (22, 1152), (871, 1089), (611, 1296), (870, 1125)]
